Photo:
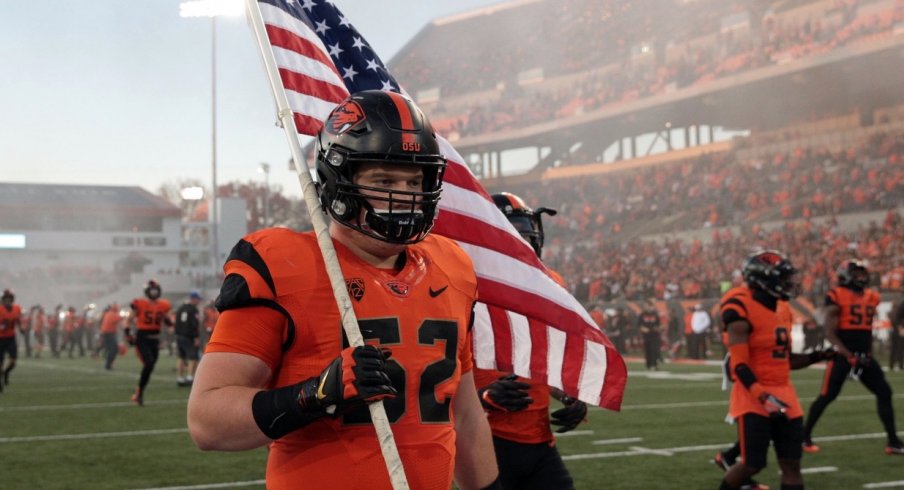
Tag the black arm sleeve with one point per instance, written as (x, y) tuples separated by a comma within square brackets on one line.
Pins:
[(745, 375)]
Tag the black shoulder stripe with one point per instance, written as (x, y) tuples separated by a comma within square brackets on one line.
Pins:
[(736, 302), (245, 252), (236, 296)]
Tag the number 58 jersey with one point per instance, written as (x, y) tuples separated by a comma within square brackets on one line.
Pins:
[(769, 343), (277, 304)]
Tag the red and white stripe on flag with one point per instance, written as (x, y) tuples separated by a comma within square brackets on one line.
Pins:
[(526, 323)]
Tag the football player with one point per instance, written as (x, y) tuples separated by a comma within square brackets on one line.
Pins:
[(724, 460), (850, 310), (10, 318), (278, 370), (148, 316), (763, 400), (518, 408)]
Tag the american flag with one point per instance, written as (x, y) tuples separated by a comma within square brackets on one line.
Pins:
[(525, 323)]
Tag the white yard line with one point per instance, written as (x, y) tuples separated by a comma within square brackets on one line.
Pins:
[(818, 469), (603, 442), (95, 435), (79, 406), (574, 433), (656, 406), (884, 484), (669, 451)]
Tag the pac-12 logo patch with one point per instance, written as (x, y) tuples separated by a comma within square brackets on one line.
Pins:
[(345, 117), (355, 288)]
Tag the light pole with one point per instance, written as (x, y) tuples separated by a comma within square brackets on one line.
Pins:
[(264, 168), (212, 9)]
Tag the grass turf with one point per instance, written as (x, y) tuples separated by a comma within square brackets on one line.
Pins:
[(67, 423)]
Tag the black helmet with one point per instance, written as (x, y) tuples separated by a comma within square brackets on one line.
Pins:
[(527, 221), (853, 274), (152, 289), (379, 127), (8, 295), (770, 271)]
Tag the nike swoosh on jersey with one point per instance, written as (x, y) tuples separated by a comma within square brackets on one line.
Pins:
[(438, 292)]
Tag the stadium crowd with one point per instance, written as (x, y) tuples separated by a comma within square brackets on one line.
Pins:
[(725, 189), (655, 55), (672, 268), (790, 198)]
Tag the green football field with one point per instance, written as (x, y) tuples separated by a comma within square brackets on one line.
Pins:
[(69, 424)]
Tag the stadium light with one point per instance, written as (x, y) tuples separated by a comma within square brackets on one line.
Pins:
[(213, 9), (194, 193)]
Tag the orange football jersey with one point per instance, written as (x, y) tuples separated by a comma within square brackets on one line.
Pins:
[(422, 313), (149, 315), (9, 321), (856, 311), (769, 342)]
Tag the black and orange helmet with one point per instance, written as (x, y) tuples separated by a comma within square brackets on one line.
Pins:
[(527, 221), (853, 274), (152, 290), (379, 127), (772, 272)]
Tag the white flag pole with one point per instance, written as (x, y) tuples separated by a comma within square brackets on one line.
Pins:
[(346, 311)]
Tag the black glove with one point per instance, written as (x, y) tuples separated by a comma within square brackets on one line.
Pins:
[(567, 418), (821, 355), (130, 339), (825, 355), (505, 394), (356, 377)]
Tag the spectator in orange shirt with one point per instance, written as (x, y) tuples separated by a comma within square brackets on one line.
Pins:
[(110, 322)]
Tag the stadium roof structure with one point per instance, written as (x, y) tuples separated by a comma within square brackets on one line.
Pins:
[(858, 77), (83, 200)]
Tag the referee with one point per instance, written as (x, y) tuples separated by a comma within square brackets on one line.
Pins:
[(187, 338)]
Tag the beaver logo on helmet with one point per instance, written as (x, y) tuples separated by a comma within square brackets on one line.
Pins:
[(345, 117)]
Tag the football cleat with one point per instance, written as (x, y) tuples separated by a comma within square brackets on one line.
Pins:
[(720, 462), (895, 449), (810, 448), (754, 485), (138, 399)]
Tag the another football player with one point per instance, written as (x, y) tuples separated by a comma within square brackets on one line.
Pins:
[(518, 408), (763, 400), (148, 316), (278, 370), (10, 318), (850, 310)]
